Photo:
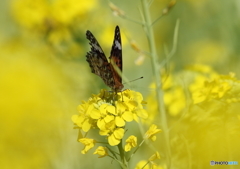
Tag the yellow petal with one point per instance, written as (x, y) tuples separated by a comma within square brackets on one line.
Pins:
[(113, 141), (132, 105), (86, 126), (142, 113), (74, 118), (128, 116), (108, 118), (111, 109), (95, 114), (119, 121), (127, 147), (101, 124), (118, 133), (135, 117)]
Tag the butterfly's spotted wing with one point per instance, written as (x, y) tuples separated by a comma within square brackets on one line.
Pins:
[(100, 65)]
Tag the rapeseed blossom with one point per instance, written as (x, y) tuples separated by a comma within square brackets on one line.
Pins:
[(101, 151), (108, 112), (131, 142)]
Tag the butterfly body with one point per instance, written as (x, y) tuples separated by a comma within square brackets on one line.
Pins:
[(99, 64)]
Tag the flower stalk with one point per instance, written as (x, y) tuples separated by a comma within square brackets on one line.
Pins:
[(122, 155), (157, 76)]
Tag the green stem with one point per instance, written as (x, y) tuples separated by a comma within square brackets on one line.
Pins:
[(157, 76), (122, 155), (135, 150), (145, 165)]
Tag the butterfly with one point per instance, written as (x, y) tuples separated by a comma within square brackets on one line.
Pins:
[(100, 65)]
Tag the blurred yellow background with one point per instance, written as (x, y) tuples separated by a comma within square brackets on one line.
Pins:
[(44, 74)]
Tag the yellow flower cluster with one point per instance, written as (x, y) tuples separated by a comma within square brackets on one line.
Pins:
[(43, 13), (203, 85), (225, 88), (174, 98), (108, 112), (57, 22)]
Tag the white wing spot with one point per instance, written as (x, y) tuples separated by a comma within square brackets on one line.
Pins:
[(118, 45), (96, 47)]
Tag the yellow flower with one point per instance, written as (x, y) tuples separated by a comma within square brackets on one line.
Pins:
[(101, 151), (133, 103), (224, 88), (64, 11), (150, 134), (202, 69), (123, 114), (146, 165), (55, 21), (204, 84), (43, 13), (142, 164), (30, 13), (115, 137), (83, 120), (175, 100), (89, 143), (107, 128), (154, 156), (130, 143), (108, 112)]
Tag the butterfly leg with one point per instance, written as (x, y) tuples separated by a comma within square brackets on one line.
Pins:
[(104, 94)]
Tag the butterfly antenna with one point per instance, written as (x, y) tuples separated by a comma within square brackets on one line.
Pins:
[(133, 80)]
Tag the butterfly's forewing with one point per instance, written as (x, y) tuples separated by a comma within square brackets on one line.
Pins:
[(99, 63), (116, 59), (96, 57), (116, 52)]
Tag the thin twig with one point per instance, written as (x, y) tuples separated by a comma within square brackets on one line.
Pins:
[(174, 48), (158, 80)]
